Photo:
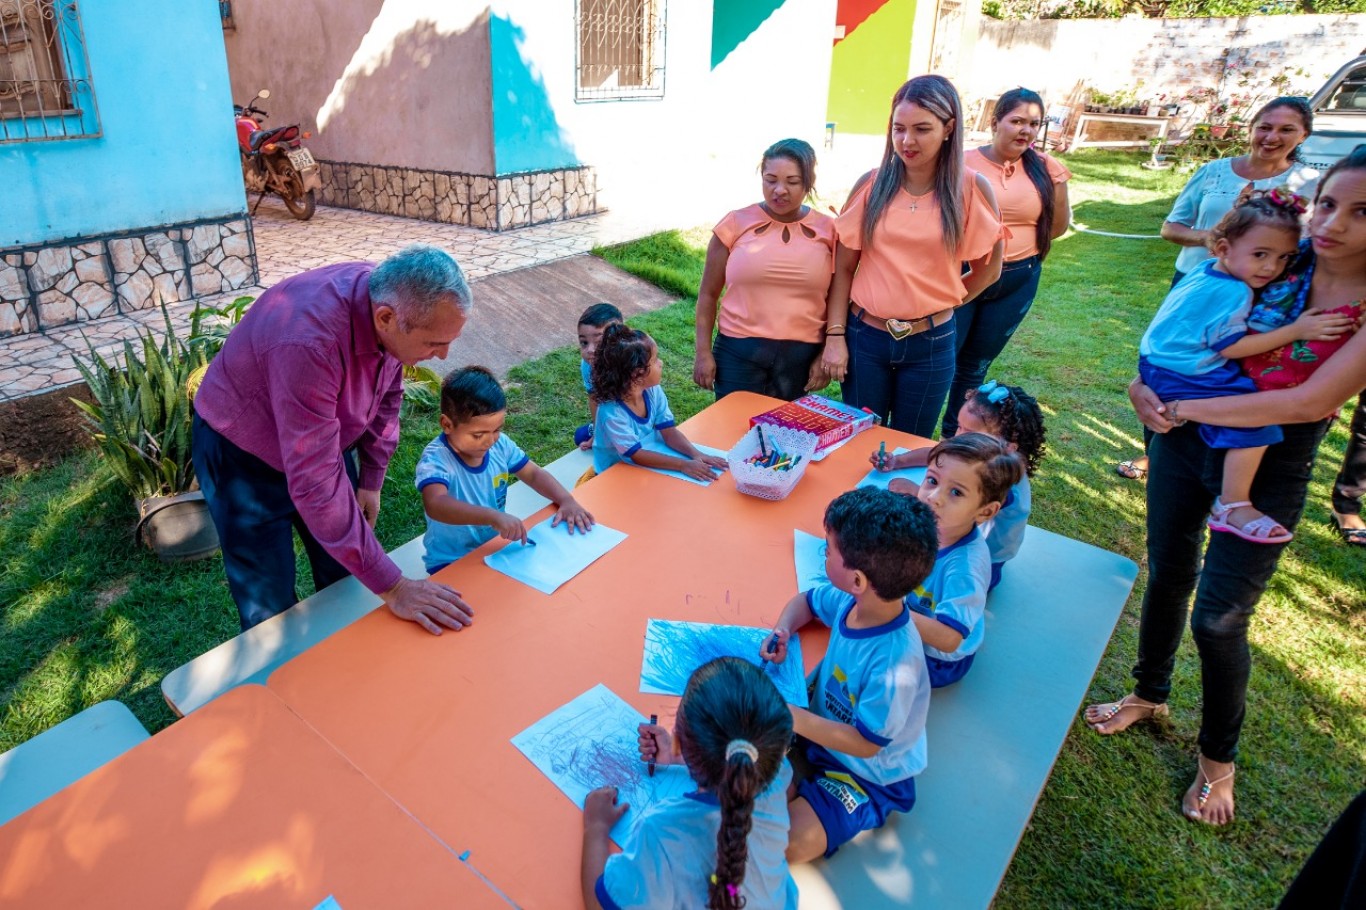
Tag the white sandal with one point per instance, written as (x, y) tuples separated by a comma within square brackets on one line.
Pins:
[(1263, 529)]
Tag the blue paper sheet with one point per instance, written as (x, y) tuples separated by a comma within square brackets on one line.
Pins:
[(591, 743), (673, 650), (880, 479), (556, 555), (808, 552), (657, 445), (329, 903)]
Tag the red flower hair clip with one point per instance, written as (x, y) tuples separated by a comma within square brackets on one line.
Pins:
[(1283, 198)]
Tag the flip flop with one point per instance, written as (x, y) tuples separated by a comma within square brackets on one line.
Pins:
[(1264, 529), (1130, 471), (1206, 789), (1353, 536), (1109, 711)]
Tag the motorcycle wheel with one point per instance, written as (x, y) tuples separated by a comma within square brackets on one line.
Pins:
[(299, 201)]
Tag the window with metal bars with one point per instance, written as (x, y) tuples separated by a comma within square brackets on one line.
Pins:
[(620, 49), (45, 90)]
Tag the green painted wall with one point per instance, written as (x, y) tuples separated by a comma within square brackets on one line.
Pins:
[(868, 66)]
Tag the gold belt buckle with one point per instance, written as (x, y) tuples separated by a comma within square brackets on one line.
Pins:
[(901, 328)]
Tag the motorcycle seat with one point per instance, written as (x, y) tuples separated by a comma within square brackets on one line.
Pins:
[(259, 138)]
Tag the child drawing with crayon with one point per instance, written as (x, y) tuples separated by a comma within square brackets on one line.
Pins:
[(633, 412), (967, 479), (592, 324), (720, 847), (864, 735), (1013, 416), (463, 474)]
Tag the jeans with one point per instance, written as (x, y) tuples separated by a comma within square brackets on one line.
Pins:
[(1351, 481), (776, 368), (1183, 478), (251, 508), (984, 327), (903, 382)]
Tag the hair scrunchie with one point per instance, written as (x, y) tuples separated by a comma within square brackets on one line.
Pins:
[(1282, 197), (742, 746)]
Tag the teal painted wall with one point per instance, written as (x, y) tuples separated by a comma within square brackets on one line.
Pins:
[(732, 21), (870, 64), (527, 136), (167, 153)]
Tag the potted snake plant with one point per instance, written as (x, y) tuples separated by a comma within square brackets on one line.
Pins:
[(140, 419)]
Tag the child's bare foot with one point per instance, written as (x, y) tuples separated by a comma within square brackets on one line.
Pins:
[(1118, 716), (1210, 797), (1242, 519)]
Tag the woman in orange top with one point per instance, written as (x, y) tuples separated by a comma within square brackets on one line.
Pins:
[(773, 260), (904, 236), (1031, 188)]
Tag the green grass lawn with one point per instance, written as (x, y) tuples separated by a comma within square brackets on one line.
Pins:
[(87, 617)]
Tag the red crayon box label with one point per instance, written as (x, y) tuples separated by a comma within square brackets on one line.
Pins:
[(830, 421)]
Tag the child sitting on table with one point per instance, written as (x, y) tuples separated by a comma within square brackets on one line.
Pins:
[(967, 478), (594, 320), (633, 413), (864, 736), (464, 473), (721, 846), (1012, 416)]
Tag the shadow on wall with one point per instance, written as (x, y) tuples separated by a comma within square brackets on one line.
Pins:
[(527, 136)]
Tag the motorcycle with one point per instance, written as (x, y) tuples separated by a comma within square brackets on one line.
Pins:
[(275, 161)]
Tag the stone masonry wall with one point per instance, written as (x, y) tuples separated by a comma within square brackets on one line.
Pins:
[(477, 200), (80, 280), (1158, 56)]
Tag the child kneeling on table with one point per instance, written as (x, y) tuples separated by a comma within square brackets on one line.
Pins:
[(864, 736), (722, 846), (464, 473)]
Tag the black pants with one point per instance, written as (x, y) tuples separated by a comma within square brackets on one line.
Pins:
[(767, 366), (255, 517), (1183, 479), (1351, 483), (1334, 876)]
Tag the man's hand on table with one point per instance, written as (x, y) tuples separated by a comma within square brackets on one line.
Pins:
[(430, 604), (369, 505)]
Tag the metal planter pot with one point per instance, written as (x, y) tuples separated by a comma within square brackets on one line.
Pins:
[(177, 528)]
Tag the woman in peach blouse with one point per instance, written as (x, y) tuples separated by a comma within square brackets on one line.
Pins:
[(773, 260), (905, 235), (1031, 189)]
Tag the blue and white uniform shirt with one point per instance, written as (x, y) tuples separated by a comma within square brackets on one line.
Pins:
[(1006, 530), (876, 681), (619, 433), (486, 485), (1205, 313), (671, 855), (586, 374), (955, 594)]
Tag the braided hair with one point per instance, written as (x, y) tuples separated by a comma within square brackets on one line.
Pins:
[(1035, 167), (623, 356), (733, 730), (1016, 418)]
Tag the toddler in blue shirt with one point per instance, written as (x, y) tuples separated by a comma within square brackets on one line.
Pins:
[(719, 847), (864, 735), (464, 473), (592, 324)]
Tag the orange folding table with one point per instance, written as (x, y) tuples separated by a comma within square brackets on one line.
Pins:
[(240, 805), (430, 720)]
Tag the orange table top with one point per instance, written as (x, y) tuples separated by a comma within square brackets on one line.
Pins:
[(239, 805), (430, 719)]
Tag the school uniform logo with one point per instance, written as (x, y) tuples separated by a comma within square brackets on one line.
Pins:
[(839, 703), (920, 601), (844, 788), (500, 489)]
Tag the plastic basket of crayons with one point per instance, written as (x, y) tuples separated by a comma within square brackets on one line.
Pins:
[(768, 461)]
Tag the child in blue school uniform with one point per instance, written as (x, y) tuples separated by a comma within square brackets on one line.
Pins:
[(722, 846), (464, 473), (967, 479), (864, 735), (592, 324), (1014, 417), (633, 412)]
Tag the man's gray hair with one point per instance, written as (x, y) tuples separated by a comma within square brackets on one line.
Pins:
[(415, 280)]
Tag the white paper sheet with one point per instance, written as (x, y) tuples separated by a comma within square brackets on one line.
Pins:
[(808, 553), (657, 445), (556, 556), (880, 479)]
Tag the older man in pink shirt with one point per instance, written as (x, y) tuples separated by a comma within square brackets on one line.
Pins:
[(297, 418)]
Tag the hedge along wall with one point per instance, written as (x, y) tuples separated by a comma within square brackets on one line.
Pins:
[(1168, 56)]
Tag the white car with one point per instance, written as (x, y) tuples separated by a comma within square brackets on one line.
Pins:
[(1339, 116)]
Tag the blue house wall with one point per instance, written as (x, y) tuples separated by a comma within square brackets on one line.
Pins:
[(167, 153)]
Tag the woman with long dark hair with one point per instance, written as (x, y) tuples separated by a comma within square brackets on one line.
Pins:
[(904, 237), (1031, 189)]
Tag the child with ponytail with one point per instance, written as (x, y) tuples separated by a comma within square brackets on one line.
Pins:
[(721, 847)]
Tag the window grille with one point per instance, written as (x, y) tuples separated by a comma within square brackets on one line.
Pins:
[(620, 49), (45, 90)]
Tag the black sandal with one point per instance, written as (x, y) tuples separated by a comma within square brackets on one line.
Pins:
[(1353, 536)]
